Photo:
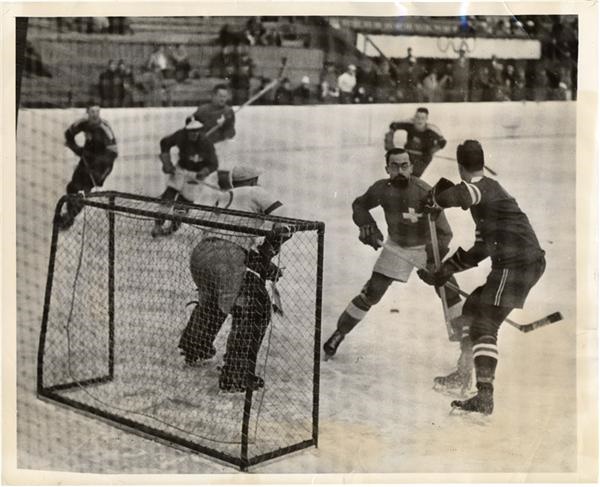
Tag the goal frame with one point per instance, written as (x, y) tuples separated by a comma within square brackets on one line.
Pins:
[(51, 393)]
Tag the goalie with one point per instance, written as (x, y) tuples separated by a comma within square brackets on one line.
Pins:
[(197, 159), (230, 274)]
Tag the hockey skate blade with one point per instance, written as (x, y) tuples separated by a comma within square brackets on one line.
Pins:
[(452, 392), (473, 417)]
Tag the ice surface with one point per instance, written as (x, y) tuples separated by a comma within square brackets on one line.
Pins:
[(378, 411)]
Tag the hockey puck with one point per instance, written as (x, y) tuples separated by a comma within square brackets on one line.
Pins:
[(394, 310)]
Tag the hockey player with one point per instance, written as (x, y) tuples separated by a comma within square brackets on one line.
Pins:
[(217, 117), (503, 233), (230, 274), (197, 159), (423, 139), (402, 197), (97, 157)]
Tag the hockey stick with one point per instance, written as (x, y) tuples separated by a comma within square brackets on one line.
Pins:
[(523, 327), (448, 158), (438, 262), (258, 95)]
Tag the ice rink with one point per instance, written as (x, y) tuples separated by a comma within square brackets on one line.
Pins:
[(378, 412)]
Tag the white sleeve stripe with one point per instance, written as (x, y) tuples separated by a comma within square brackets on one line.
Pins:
[(474, 192)]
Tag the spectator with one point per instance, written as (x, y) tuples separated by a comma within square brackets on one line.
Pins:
[(240, 79), (119, 25), (519, 85), (509, 81), (303, 94), (111, 86), (158, 61), (481, 85), (255, 31), (497, 80), (384, 84), (227, 37), (411, 82), (431, 88), (181, 63), (346, 83), (540, 83), (460, 77), (329, 87), (126, 74), (284, 94), (98, 25), (446, 83), (273, 38)]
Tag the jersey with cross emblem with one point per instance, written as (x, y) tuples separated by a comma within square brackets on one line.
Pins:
[(403, 211)]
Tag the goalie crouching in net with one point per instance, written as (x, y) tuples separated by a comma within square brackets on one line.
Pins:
[(197, 159), (230, 274)]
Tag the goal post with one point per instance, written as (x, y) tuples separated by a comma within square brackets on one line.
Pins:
[(117, 301)]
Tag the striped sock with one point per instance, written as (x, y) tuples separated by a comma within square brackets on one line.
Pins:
[(354, 312), (485, 355)]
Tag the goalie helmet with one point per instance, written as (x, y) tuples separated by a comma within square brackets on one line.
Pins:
[(243, 174), (469, 154)]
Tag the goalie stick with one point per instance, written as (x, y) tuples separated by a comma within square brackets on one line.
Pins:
[(522, 327), (448, 158)]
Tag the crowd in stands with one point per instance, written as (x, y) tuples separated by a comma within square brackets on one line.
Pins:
[(368, 80)]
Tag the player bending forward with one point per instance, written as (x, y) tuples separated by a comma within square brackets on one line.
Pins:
[(97, 157), (503, 233), (423, 139), (197, 159), (402, 197), (230, 273)]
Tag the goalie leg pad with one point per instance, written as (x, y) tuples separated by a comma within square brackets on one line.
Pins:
[(196, 342), (251, 317)]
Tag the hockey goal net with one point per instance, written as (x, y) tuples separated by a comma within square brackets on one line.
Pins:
[(116, 303)]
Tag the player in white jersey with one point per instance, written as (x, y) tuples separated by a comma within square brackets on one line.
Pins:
[(230, 273)]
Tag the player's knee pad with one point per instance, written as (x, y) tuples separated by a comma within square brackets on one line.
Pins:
[(375, 288)]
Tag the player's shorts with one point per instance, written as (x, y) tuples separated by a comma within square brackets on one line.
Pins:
[(509, 288), (218, 269), (393, 260), (187, 184)]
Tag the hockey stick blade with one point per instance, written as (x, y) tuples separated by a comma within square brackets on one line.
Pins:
[(552, 318)]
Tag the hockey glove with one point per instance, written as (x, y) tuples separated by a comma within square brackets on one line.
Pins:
[(167, 165), (202, 173), (78, 150), (437, 279), (430, 204), (388, 141), (258, 263), (370, 235)]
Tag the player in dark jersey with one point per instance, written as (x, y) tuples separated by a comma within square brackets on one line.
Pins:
[(423, 139), (197, 159), (216, 114), (402, 197), (97, 157), (502, 233)]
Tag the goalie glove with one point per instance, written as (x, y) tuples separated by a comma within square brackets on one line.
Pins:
[(167, 165), (370, 235)]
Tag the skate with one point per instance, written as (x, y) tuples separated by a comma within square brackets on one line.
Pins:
[(236, 383), (331, 345), (193, 356), (457, 382), (482, 402)]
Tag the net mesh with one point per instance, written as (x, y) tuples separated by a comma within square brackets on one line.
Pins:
[(119, 301)]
